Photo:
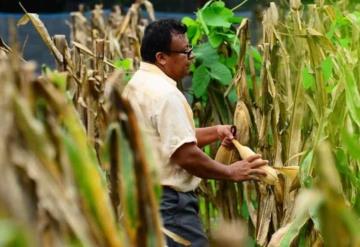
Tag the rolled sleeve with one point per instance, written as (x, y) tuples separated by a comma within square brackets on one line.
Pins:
[(175, 124)]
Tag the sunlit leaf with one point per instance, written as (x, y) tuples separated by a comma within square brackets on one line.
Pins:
[(193, 30), (308, 79), (217, 15), (327, 67), (125, 64), (215, 39)]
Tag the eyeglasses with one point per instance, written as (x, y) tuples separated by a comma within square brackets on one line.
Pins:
[(188, 53)]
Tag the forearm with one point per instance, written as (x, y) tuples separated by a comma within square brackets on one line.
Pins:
[(206, 135), (195, 161)]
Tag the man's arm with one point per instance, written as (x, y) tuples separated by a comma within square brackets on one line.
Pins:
[(195, 161), (207, 135)]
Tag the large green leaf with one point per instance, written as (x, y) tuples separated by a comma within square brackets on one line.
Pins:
[(217, 15), (193, 30), (206, 54), (221, 73), (215, 39), (200, 81)]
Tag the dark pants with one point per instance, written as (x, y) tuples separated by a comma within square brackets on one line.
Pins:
[(180, 214)]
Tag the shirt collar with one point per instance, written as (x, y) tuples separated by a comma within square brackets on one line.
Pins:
[(155, 69)]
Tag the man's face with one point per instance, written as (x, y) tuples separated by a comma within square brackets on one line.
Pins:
[(178, 59)]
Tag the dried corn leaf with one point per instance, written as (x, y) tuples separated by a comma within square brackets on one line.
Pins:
[(266, 208), (41, 29), (4, 46), (52, 196), (306, 201), (176, 238), (87, 51), (150, 9)]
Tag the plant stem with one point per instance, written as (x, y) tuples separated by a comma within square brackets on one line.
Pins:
[(239, 5)]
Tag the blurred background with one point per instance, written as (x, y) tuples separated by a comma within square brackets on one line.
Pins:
[(55, 15), (56, 6)]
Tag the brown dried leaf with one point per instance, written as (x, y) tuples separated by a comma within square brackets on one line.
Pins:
[(41, 29)]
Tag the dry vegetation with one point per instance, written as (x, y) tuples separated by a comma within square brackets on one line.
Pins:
[(77, 171)]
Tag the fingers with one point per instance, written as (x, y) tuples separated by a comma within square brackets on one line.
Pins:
[(253, 157), (254, 177), (258, 162), (227, 143), (224, 131), (257, 173)]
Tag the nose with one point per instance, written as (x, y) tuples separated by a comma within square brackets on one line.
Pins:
[(191, 55)]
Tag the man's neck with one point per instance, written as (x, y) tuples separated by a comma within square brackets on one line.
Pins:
[(163, 69)]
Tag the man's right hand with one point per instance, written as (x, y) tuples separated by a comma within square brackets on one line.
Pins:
[(247, 169)]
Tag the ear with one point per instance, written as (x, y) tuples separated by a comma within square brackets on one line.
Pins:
[(161, 58)]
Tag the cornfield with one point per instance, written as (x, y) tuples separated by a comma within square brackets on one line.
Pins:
[(78, 171)]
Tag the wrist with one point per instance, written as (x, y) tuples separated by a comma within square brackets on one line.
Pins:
[(218, 131), (228, 173)]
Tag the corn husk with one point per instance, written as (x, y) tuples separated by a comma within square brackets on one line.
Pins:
[(245, 152)]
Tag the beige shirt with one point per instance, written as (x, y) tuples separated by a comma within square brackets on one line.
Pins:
[(166, 118)]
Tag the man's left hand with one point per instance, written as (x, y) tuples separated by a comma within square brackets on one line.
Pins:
[(225, 135)]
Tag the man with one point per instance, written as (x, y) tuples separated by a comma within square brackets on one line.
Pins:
[(167, 119)]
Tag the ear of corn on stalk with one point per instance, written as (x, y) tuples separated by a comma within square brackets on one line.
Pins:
[(245, 152), (242, 122)]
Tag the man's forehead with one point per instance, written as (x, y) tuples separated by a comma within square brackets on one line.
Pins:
[(179, 39)]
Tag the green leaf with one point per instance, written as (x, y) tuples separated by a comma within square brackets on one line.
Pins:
[(200, 81), (232, 96), (125, 64), (351, 89), (308, 79), (215, 39), (189, 21), (221, 73), (306, 201), (231, 61), (305, 169), (344, 42), (235, 19), (245, 211), (256, 55), (193, 30), (206, 54), (11, 234), (351, 143), (327, 67), (217, 15), (128, 178)]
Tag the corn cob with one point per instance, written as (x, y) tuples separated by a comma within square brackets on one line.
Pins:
[(245, 152), (242, 122), (224, 155)]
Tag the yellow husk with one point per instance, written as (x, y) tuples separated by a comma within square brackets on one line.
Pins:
[(245, 152), (289, 171)]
